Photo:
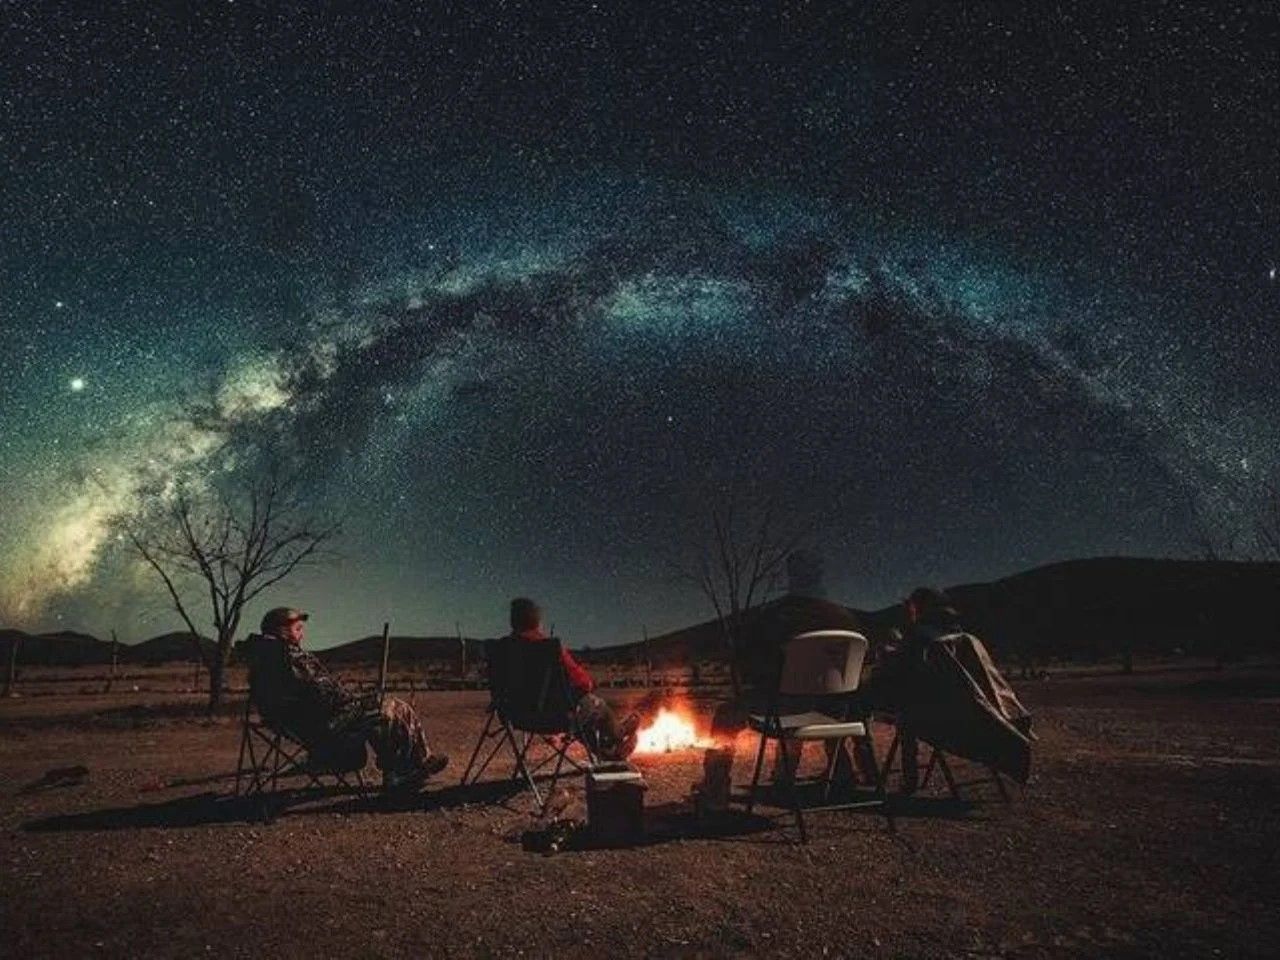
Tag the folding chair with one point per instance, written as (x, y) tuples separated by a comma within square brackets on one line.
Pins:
[(273, 750), (820, 663), (530, 701), (937, 758)]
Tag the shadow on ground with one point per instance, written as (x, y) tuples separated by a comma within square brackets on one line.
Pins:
[(664, 823), (212, 808)]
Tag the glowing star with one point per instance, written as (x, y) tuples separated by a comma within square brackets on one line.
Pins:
[(77, 384), (58, 304)]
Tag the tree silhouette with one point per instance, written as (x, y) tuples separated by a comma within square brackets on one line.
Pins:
[(740, 555), (233, 548)]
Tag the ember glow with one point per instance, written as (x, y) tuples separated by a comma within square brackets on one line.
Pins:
[(671, 730)]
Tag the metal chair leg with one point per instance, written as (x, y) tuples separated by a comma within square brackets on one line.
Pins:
[(521, 768), (928, 768), (946, 772), (888, 760), (555, 775), (755, 778), (1004, 794), (484, 735), (832, 761), (879, 777), (244, 739), (792, 774)]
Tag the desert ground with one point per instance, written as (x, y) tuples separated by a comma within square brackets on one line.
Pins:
[(1149, 827)]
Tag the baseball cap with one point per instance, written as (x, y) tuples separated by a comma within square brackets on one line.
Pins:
[(280, 616)]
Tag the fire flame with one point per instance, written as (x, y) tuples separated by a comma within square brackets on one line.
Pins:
[(671, 729)]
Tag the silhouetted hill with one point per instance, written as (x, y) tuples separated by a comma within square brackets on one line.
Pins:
[(63, 649), (1078, 610), (1084, 610), (703, 641), (404, 650), (1095, 609), (166, 648)]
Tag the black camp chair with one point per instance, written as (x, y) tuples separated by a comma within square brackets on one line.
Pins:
[(271, 748), (530, 701)]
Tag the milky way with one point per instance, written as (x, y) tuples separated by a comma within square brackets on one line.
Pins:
[(538, 375)]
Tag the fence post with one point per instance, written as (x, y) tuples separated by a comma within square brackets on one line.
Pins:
[(462, 646), (115, 659), (11, 674)]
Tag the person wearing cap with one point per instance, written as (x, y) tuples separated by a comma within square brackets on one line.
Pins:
[(322, 704)]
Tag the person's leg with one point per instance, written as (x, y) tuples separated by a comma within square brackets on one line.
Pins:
[(608, 738), (787, 755), (399, 742)]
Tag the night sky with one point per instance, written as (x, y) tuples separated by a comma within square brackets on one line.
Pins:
[(524, 288)]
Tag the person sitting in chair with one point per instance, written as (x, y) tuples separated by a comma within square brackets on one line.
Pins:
[(610, 738), (943, 686), (317, 705)]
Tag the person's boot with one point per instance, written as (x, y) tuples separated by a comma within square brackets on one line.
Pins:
[(415, 778)]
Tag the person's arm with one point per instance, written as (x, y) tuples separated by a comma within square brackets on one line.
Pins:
[(579, 678), (311, 676)]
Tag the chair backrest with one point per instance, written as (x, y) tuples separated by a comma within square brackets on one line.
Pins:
[(528, 685), (268, 686), (822, 662)]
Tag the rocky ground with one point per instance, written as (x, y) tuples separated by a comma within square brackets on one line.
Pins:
[(1149, 827)]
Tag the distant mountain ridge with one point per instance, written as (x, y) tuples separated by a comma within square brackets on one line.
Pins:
[(67, 648), (1078, 609)]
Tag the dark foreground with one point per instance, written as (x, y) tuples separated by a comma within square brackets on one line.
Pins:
[(1150, 828)]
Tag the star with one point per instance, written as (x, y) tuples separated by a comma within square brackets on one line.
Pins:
[(77, 384)]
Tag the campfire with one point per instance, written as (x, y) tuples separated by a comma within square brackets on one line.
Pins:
[(672, 729)]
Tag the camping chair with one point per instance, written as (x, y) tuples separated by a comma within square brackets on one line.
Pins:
[(937, 758), (274, 749), (529, 701), (820, 663)]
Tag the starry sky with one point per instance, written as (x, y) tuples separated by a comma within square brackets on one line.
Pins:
[(523, 288)]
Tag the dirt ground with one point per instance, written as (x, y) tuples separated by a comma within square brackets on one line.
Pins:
[(1149, 827)]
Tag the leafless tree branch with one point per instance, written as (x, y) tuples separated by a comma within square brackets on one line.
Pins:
[(234, 549)]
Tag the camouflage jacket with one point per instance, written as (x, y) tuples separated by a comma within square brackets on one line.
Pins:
[(292, 685)]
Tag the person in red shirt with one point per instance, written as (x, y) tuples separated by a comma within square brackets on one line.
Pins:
[(611, 738)]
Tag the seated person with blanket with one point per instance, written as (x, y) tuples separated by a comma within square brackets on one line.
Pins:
[(317, 706), (945, 689)]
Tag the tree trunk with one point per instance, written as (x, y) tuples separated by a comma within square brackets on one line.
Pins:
[(217, 673), (215, 685)]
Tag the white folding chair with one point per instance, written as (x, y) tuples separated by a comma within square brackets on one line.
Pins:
[(818, 664)]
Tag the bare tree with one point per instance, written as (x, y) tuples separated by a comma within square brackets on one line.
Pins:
[(739, 557), (231, 549)]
